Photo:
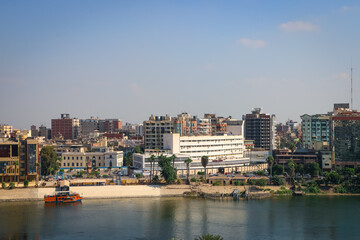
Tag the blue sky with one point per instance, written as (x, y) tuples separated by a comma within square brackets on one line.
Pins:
[(130, 59)]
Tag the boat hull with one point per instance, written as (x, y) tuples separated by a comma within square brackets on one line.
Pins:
[(62, 198)]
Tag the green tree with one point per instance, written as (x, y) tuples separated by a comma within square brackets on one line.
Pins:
[(299, 168), (167, 171), (278, 181), (3, 185), (204, 163), (49, 160), (347, 172), (26, 183), (187, 162), (11, 185), (137, 149), (312, 168), (209, 237), (278, 169), (291, 166), (332, 177), (261, 182), (151, 160), (271, 161), (128, 159)]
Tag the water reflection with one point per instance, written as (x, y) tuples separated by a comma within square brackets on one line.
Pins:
[(155, 218)]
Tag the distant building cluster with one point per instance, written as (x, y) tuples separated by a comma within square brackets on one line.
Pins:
[(241, 145)]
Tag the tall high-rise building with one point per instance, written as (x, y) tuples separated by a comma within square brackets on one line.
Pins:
[(88, 126), (154, 130), (260, 127), (345, 136), (66, 127)]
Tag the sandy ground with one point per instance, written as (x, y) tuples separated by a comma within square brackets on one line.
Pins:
[(128, 191)]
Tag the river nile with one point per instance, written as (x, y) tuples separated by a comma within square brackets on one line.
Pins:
[(318, 217)]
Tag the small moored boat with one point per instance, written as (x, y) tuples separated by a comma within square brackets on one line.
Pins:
[(62, 194)]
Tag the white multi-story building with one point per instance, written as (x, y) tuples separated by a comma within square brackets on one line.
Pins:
[(221, 147)]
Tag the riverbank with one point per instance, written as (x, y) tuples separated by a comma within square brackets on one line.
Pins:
[(97, 192), (139, 191)]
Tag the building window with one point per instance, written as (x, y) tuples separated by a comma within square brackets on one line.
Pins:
[(99, 164), (72, 164), (77, 164), (68, 164), (80, 164)]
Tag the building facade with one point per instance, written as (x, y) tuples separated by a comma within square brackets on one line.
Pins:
[(80, 160), (260, 127), (345, 137), (154, 130), (19, 160), (224, 147), (66, 127), (315, 128)]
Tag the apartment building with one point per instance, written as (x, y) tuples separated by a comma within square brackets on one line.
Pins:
[(65, 127), (185, 124), (5, 130), (260, 127), (19, 159), (154, 130), (315, 128)]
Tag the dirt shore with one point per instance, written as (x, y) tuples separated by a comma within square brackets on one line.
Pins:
[(130, 191)]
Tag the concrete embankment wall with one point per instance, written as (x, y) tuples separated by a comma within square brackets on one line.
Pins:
[(94, 192)]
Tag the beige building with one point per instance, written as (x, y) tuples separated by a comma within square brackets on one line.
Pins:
[(154, 130), (80, 160), (5, 130)]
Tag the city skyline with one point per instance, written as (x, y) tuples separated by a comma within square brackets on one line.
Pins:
[(129, 60)]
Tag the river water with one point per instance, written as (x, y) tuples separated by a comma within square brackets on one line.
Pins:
[(315, 217)]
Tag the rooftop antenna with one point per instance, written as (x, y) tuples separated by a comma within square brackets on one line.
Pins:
[(351, 73)]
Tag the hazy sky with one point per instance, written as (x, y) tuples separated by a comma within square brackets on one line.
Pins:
[(130, 59)]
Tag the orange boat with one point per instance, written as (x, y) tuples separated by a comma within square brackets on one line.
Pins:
[(62, 195)]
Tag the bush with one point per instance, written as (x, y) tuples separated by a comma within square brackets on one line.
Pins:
[(11, 185), (260, 173), (340, 189), (237, 183), (193, 179), (105, 176), (312, 187), (252, 182), (201, 173), (155, 178), (26, 183), (283, 190), (261, 182), (278, 181), (179, 181), (3, 185), (138, 175), (62, 170), (217, 183)]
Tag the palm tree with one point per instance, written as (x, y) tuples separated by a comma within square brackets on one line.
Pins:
[(173, 157), (291, 166), (204, 163), (270, 161), (151, 160), (187, 162)]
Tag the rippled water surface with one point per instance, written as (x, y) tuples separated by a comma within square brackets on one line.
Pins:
[(319, 217)]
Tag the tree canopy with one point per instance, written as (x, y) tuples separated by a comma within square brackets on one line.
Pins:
[(49, 160), (167, 170)]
